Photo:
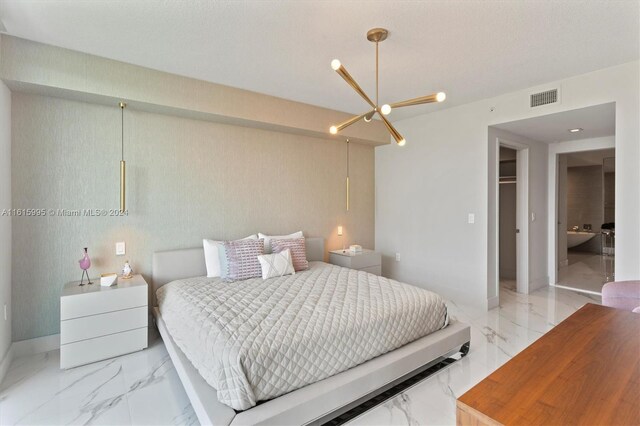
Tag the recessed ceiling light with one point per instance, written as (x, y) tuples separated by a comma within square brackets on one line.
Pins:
[(576, 130)]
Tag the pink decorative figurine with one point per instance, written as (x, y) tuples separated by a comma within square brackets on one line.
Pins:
[(85, 264)]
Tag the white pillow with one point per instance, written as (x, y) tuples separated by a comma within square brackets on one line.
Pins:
[(268, 238), (276, 264), (211, 257)]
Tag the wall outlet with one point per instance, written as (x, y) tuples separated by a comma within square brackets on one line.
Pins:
[(472, 218), (121, 249), (397, 257)]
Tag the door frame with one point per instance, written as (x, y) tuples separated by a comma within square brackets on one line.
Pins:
[(555, 149), (522, 214)]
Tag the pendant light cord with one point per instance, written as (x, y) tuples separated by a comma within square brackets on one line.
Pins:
[(122, 129), (377, 75)]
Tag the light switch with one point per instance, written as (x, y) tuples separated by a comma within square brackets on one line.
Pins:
[(533, 217), (120, 249), (472, 218), (397, 257)]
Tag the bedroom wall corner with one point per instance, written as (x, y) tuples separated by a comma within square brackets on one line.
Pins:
[(5, 229)]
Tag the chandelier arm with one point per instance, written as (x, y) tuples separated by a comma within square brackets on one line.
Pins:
[(342, 71), (396, 135), (416, 101), (352, 120)]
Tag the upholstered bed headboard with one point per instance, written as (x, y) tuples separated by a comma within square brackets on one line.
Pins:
[(173, 265)]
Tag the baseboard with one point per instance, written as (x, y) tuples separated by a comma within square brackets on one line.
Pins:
[(6, 362), (538, 283), (577, 290), (36, 346), (493, 302)]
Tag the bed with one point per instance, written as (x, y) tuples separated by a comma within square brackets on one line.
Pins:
[(299, 349)]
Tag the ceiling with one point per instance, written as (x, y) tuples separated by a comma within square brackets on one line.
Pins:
[(591, 158), (595, 121), (469, 49)]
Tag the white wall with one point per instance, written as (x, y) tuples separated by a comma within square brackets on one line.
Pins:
[(5, 223), (425, 190)]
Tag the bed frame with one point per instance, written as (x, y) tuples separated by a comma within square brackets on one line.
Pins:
[(313, 404)]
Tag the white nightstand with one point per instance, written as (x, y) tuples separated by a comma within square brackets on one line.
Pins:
[(97, 322), (366, 260)]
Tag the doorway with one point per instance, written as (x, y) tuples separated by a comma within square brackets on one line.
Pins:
[(585, 199), (507, 228), (512, 208)]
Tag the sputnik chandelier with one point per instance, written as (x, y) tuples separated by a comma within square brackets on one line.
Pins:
[(377, 35)]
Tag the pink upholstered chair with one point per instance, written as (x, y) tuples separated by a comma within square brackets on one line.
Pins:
[(622, 295)]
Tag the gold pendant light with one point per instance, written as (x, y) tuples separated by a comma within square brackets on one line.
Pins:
[(347, 174), (377, 35), (122, 162)]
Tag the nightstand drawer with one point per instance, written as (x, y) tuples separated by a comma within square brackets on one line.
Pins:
[(375, 270), (365, 260), (106, 300), (361, 260), (91, 350), (77, 329)]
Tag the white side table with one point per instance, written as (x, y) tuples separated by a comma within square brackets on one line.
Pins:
[(97, 322), (366, 260)]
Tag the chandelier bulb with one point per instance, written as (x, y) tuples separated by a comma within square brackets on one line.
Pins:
[(368, 117), (385, 109), (333, 130), (335, 64), (402, 142), (441, 96)]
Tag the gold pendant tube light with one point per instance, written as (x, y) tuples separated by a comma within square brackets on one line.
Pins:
[(377, 35), (347, 174), (122, 162)]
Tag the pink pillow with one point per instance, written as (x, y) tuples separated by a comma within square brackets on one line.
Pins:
[(239, 259), (298, 251)]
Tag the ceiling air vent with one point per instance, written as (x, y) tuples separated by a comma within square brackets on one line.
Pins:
[(544, 98)]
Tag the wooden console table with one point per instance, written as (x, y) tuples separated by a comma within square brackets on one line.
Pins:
[(586, 370)]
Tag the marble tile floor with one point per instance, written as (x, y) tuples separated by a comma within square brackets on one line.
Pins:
[(496, 336), (143, 388), (586, 272)]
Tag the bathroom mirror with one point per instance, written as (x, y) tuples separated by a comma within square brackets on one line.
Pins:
[(609, 189)]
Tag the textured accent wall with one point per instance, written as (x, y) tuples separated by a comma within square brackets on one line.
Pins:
[(187, 180), (584, 197)]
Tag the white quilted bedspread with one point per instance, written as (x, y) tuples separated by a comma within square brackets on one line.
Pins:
[(254, 340)]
